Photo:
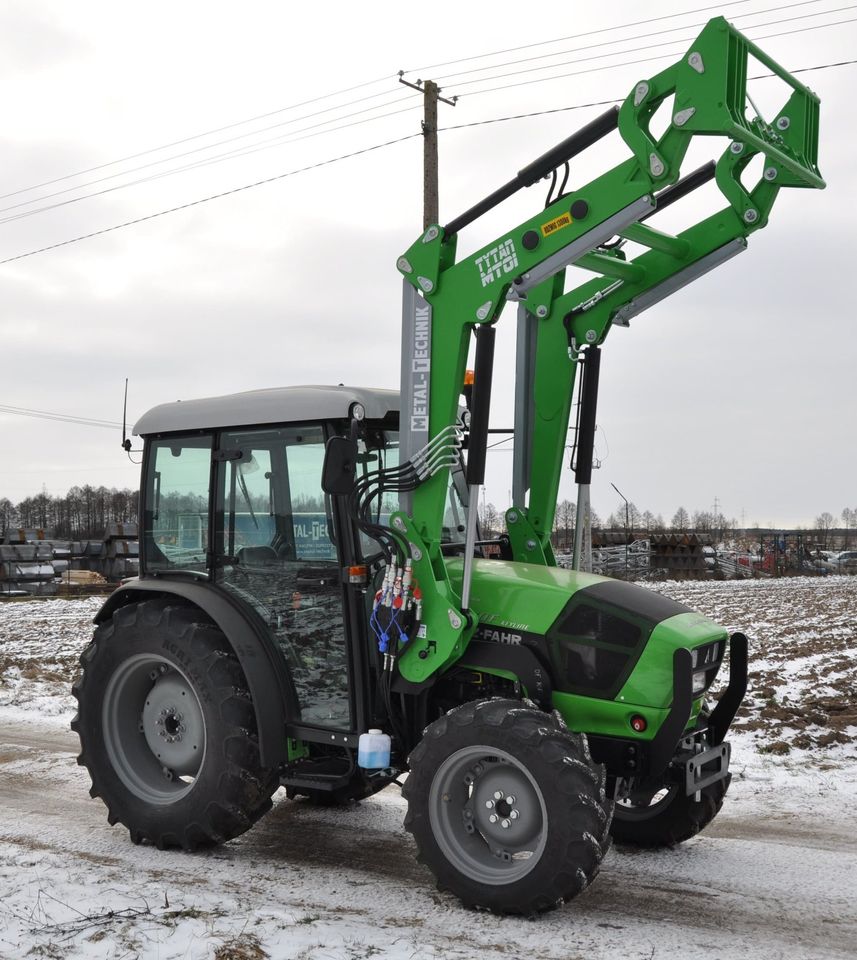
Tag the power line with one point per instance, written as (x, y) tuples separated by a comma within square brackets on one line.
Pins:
[(607, 103), (210, 146), (216, 196), (355, 153), (60, 417), (575, 36), (273, 141), (663, 56), (208, 161), (295, 136), (641, 36), (197, 136)]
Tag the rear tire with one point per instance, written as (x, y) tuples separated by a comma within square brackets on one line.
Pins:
[(667, 817), (507, 808), (167, 728)]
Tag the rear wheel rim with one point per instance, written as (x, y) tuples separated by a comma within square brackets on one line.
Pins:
[(488, 815), (154, 729)]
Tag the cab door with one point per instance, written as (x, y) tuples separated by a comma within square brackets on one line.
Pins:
[(275, 551)]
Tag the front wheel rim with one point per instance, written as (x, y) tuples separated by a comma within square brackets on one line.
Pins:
[(488, 815), (154, 729), (647, 809)]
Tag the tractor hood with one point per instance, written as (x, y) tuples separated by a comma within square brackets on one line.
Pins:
[(602, 638)]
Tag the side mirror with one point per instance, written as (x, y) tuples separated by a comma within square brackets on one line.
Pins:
[(340, 466)]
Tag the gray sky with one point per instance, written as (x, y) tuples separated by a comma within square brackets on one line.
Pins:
[(739, 387)]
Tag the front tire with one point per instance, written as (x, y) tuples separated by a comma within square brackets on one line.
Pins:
[(507, 808), (167, 728), (668, 816)]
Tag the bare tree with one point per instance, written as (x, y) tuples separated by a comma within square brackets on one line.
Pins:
[(565, 511), (489, 520), (7, 516), (849, 520), (680, 520), (823, 525), (702, 520)]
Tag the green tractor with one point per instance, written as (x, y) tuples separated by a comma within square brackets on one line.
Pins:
[(316, 609)]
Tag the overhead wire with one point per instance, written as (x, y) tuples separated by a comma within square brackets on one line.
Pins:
[(197, 136), (234, 154), (577, 36), (607, 103), (215, 196), (641, 36), (295, 136), (626, 63), (188, 153), (60, 417), (377, 146)]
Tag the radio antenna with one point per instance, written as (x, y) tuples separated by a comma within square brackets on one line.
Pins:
[(126, 443)]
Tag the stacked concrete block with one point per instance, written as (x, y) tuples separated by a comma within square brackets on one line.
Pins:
[(122, 551), (33, 565)]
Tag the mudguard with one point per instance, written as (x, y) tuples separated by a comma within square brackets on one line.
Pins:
[(270, 685), (517, 660)]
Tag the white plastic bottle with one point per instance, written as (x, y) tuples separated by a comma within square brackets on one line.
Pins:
[(373, 750)]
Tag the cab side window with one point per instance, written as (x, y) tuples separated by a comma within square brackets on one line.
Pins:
[(176, 504)]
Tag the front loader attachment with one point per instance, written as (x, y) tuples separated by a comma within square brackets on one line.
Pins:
[(447, 300)]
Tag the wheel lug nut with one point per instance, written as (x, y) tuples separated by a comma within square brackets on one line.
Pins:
[(514, 814), (505, 824), (493, 818), (489, 804), (498, 795), (510, 800)]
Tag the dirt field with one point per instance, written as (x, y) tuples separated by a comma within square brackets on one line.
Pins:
[(803, 639)]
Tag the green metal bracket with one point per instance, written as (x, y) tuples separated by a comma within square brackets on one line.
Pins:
[(527, 545), (445, 631)]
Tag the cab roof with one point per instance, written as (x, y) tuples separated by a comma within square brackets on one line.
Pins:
[(268, 406)]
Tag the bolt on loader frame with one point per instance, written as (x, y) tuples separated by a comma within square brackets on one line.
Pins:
[(538, 710)]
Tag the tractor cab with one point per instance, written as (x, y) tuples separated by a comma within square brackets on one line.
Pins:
[(232, 502)]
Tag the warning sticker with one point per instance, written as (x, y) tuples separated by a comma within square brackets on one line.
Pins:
[(563, 220)]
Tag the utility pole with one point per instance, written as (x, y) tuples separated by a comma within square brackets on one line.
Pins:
[(430, 159), (431, 94)]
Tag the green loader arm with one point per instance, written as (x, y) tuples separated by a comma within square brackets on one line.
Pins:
[(447, 301)]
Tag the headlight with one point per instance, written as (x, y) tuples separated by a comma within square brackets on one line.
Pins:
[(699, 681)]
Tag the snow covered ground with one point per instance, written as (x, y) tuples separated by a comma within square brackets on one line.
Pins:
[(772, 877)]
